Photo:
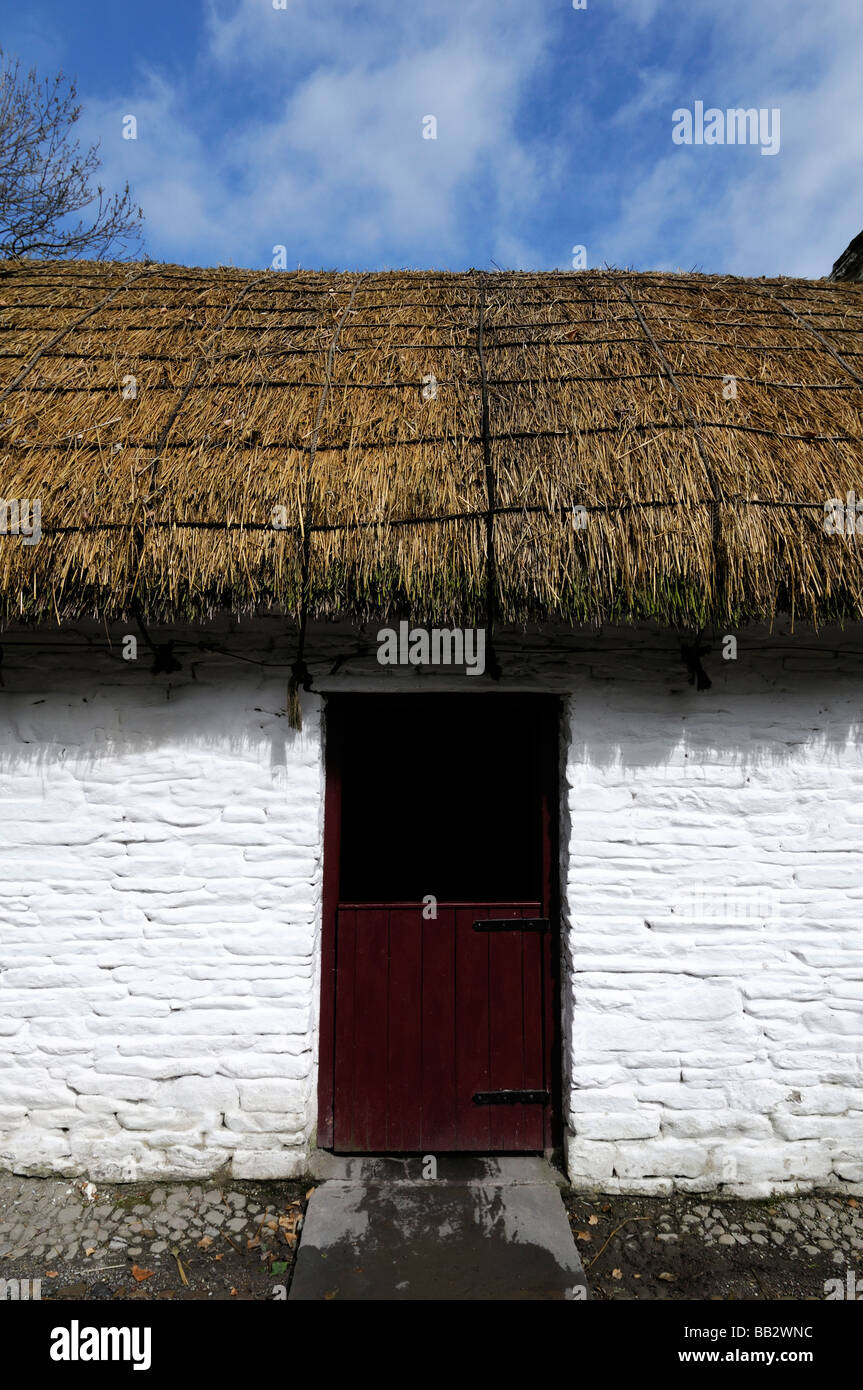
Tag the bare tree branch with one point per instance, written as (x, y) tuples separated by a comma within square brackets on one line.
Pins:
[(45, 177)]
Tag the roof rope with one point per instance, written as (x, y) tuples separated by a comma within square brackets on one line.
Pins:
[(204, 358), (492, 665), (434, 519), (798, 318), (70, 328), (569, 343), (358, 446), (718, 559), (139, 529), (299, 671)]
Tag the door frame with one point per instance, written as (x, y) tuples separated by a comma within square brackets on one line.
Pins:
[(550, 706)]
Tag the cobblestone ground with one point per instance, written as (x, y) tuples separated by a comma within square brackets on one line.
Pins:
[(86, 1240), (188, 1241), (701, 1248)]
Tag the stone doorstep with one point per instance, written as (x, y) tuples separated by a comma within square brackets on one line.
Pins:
[(458, 1170), (432, 1241)]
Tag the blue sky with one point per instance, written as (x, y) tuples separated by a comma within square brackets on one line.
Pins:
[(303, 127)]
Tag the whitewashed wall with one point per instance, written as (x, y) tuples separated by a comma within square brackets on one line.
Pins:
[(160, 874), (160, 871), (714, 906)]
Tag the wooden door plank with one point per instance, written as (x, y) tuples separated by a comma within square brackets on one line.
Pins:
[(534, 949), (438, 1031), (370, 1031), (506, 1042), (473, 1126), (343, 1129), (404, 1055)]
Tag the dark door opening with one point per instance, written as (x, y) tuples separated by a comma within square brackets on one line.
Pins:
[(440, 941)]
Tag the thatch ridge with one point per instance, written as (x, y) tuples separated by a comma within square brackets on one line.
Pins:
[(602, 390)]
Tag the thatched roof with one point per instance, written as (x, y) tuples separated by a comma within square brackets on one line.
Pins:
[(604, 390)]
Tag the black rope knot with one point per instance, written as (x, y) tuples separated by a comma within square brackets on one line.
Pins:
[(691, 654)]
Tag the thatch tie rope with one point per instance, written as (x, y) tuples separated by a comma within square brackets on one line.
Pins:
[(798, 318), (455, 346), (70, 328), (696, 431), (431, 519), (202, 360), (492, 665), (687, 409), (417, 440), (139, 530), (299, 671)]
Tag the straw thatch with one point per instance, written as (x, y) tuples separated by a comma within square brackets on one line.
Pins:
[(305, 390)]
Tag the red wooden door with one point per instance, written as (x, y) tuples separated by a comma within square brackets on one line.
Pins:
[(442, 1025), (440, 1028)]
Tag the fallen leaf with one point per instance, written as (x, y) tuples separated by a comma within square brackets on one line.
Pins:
[(91, 1250), (852, 1202), (309, 1193), (669, 1278), (278, 1266), (606, 1206), (617, 1274), (52, 1274), (287, 1223), (233, 1293), (218, 1257), (205, 1242), (593, 1221), (139, 1274), (272, 1225), (636, 1276), (585, 1235), (253, 1243), (290, 1238)]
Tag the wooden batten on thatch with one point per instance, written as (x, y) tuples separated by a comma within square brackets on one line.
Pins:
[(412, 424)]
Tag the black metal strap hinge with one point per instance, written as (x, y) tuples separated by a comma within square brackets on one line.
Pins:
[(513, 924), (512, 1098)]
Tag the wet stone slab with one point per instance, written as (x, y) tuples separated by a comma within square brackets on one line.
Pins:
[(426, 1240)]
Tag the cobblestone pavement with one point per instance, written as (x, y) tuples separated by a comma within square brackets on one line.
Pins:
[(184, 1240), (146, 1239), (691, 1247)]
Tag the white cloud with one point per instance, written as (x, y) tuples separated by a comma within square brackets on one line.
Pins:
[(731, 209), (327, 154), (324, 153)]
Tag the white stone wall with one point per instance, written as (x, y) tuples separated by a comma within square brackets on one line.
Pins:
[(714, 910), (160, 878)]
